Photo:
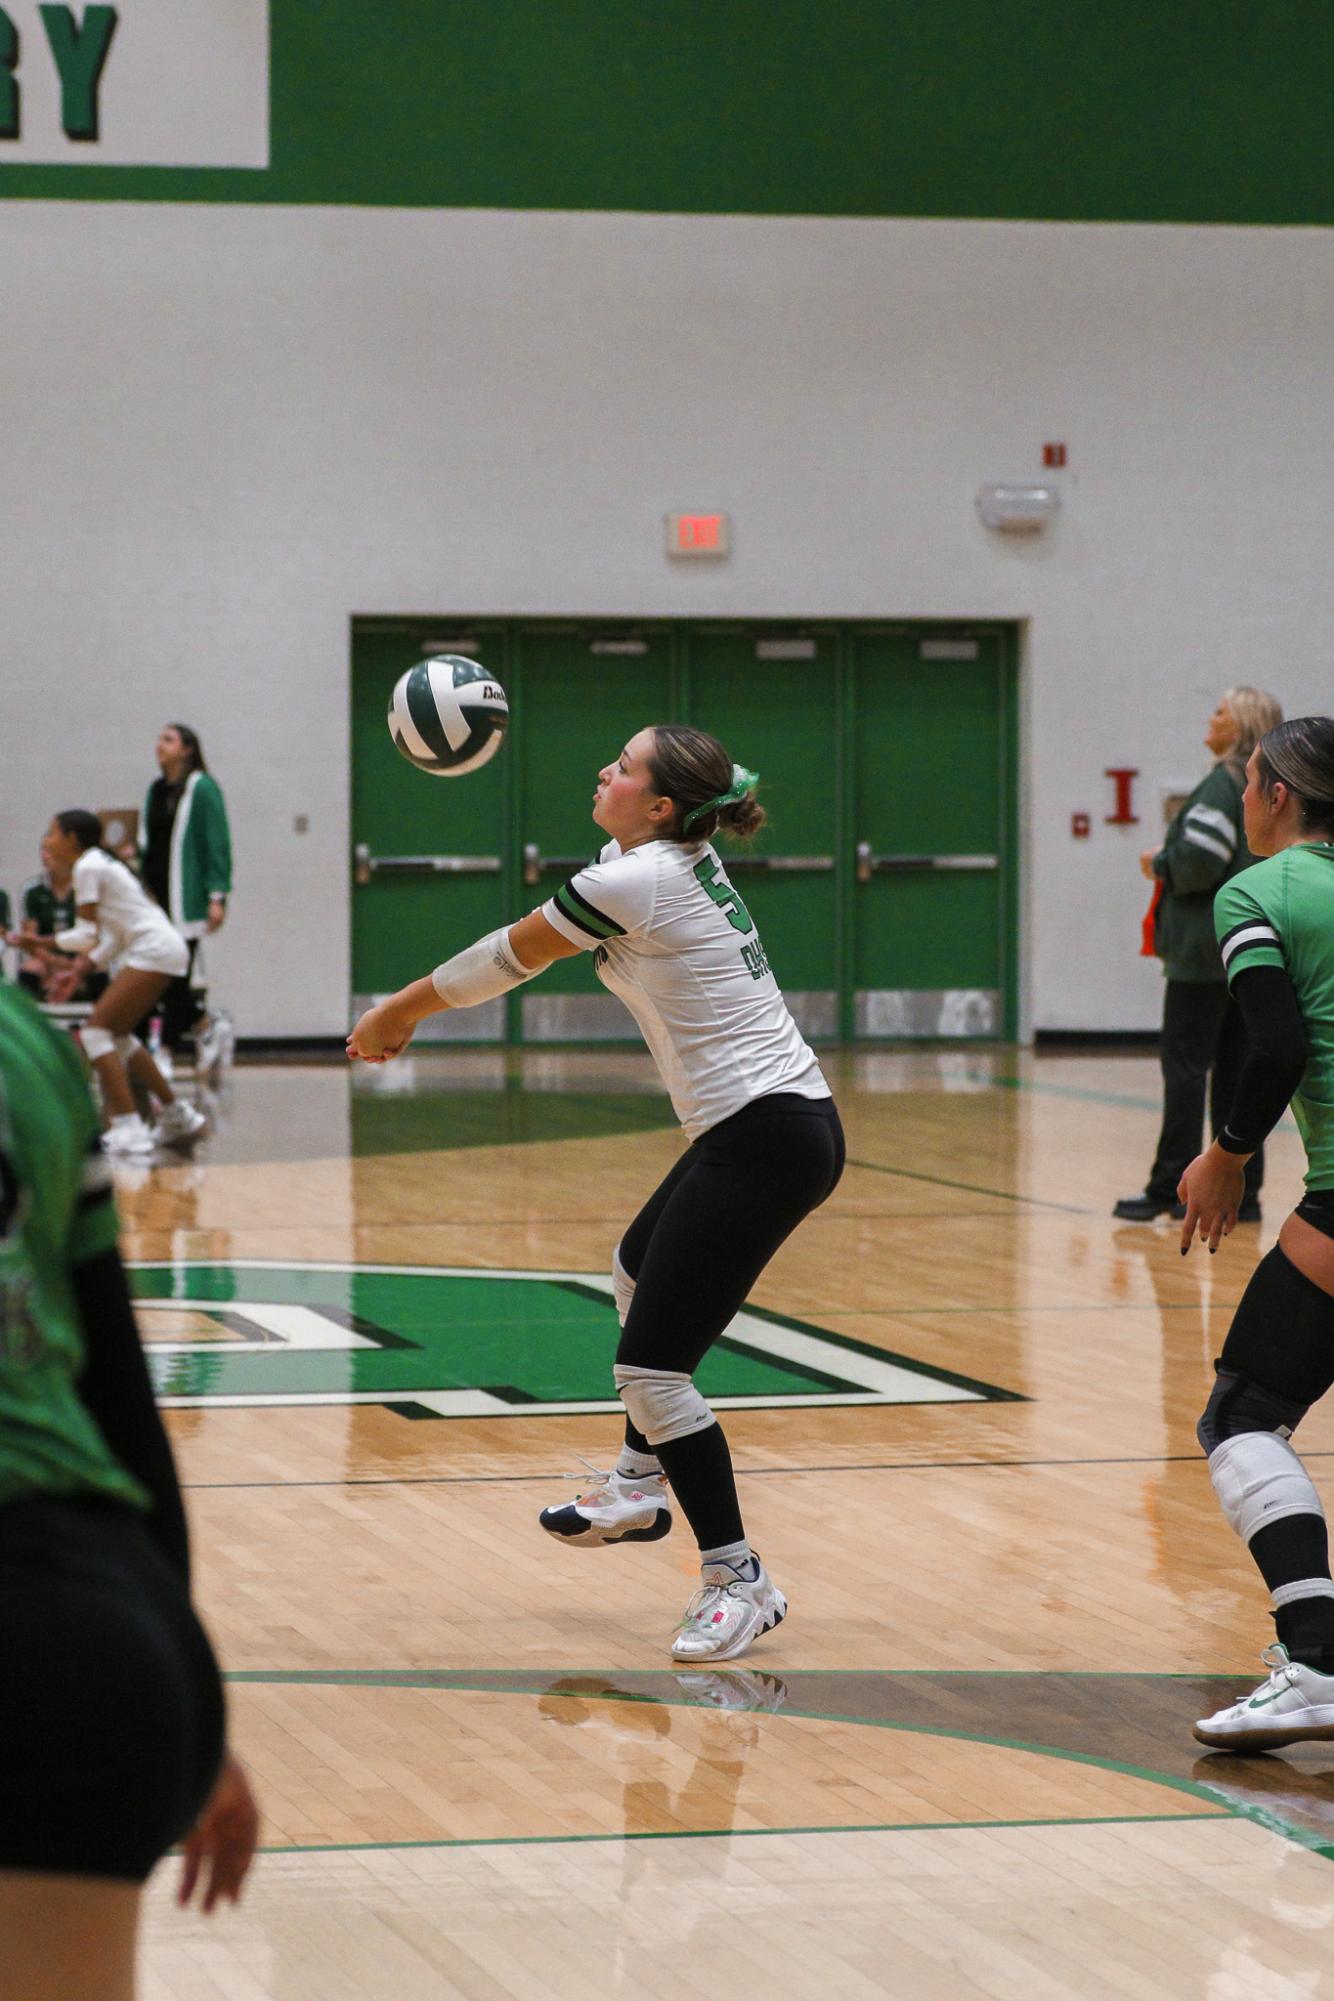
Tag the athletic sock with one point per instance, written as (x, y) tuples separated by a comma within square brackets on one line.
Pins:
[(738, 1556), (637, 1465), (1295, 1550), (635, 1441), (700, 1470)]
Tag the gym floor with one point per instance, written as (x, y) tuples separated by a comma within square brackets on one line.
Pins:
[(962, 1409)]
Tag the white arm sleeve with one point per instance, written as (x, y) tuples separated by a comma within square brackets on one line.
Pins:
[(80, 937), (481, 972)]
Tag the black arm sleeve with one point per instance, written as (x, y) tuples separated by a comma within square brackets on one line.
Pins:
[(116, 1391), (1275, 1056)]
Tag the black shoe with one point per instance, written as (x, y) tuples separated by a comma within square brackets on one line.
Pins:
[(1140, 1208)]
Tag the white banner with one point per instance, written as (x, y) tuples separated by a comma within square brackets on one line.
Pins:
[(143, 83)]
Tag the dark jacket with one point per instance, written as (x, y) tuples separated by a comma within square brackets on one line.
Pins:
[(1205, 845)]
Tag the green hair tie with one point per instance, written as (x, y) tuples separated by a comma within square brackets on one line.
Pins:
[(743, 781)]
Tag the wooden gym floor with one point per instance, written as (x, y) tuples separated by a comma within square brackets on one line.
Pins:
[(964, 1430)]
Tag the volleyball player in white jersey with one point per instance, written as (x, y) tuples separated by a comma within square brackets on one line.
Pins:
[(674, 941), (119, 928)]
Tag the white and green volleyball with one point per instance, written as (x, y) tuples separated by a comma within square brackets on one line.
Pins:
[(448, 715)]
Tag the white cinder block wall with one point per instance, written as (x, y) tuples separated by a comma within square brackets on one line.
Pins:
[(227, 429)]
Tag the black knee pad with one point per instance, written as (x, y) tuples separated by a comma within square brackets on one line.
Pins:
[(1278, 1358), (1239, 1403)]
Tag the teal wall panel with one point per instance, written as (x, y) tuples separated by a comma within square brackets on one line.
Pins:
[(1202, 111)]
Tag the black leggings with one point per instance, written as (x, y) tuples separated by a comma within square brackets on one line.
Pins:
[(111, 1707), (706, 1233)]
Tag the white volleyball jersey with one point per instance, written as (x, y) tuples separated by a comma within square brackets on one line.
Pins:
[(131, 927), (675, 942)]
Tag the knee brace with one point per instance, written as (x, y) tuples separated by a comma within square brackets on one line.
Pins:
[(1259, 1479), (622, 1286), (663, 1404), (126, 1046), (97, 1043)]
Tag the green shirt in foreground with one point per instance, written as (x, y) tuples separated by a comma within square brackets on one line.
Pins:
[(1281, 913), (56, 1210)]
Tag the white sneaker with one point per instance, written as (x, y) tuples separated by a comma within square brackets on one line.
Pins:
[(180, 1124), (622, 1508), (128, 1134), (1295, 1706), (726, 1614)]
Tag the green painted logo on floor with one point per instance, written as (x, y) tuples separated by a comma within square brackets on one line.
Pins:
[(462, 1343)]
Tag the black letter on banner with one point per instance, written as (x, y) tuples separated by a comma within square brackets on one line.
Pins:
[(80, 54), (9, 83)]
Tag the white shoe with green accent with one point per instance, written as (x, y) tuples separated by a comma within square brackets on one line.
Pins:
[(621, 1508), (727, 1614), (1295, 1706)]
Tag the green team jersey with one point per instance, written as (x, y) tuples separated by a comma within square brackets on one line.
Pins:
[(42, 907), (1281, 913), (56, 1210)]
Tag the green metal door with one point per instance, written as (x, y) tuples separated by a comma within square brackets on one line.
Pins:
[(427, 853), (933, 819), (771, 696), (580, 695), (884, 886)]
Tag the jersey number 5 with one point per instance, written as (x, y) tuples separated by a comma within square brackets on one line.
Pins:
[(720, 889)]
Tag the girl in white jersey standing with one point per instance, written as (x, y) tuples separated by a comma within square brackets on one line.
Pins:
[(675, 942), (118, 928)]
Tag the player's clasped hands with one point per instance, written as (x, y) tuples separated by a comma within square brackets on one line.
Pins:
[(1211, 1188), (377, 1037)]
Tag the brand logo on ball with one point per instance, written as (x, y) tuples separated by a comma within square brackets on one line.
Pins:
[(458, 1343), (448, 715)]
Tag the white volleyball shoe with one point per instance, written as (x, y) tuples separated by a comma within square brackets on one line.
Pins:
[(621, 1508), (1294, 1706), (727, 1615)]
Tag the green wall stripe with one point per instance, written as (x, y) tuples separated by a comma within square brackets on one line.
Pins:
[(1056, 109)]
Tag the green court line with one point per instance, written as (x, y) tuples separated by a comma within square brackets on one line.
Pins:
[(733, 1833), (1191, 1788), (970, 1188)]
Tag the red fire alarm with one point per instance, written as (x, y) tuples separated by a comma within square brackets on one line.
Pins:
[(698, 534), (1053, 455), (1080, 826)]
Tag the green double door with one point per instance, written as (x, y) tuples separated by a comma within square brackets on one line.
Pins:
[(883, 885)]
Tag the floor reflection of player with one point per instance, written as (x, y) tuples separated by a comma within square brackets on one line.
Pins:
[(1275, 927), (111, 1707)]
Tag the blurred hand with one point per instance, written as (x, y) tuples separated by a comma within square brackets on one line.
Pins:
[(1211, 1188), (217, 914), (378, 1037), (62, 984), (222, 1841), (1146, 862)]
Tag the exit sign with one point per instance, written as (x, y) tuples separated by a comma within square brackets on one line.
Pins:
[(699, 534)]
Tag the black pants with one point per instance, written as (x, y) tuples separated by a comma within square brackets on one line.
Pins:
[(111, 1708), (1203, 1032), (704, 1236)]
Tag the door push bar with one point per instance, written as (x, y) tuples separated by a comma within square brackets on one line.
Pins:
[(536, 864), (869, 863), (365, 864)]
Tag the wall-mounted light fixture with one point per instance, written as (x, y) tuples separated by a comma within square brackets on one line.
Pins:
[(1017, 506)]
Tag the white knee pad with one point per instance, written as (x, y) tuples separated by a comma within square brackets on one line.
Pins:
[(1259, 1479), (622, 1285), (97, 1042), (662, 1403), (126, 1046)]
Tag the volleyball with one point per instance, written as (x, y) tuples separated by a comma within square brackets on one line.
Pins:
[(448, 715)]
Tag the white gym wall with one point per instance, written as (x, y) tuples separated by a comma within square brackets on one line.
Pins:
[(227, 429)]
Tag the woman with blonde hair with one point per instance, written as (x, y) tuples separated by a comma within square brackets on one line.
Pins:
[(1203, 1037)]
